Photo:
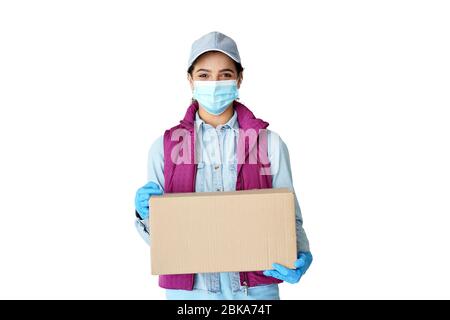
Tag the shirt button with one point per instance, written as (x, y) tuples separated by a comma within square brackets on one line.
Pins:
[(218, 189), (216, 167)]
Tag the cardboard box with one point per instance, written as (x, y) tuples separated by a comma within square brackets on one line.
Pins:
[(222, 231)]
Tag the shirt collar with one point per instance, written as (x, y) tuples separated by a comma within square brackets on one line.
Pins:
[(232, 123)]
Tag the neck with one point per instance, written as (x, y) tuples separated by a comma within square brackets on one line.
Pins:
[(216, 120)]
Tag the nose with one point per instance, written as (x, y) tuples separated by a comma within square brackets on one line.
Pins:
[(216, 77)]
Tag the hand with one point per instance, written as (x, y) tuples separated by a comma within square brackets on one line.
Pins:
[(143, 196), (291, 275)]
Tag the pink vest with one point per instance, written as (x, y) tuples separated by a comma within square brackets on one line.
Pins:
[(181, 178)]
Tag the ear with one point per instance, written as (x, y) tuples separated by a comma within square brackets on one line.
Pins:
[(240, 79), (191, 81)]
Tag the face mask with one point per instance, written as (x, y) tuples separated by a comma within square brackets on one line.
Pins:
[(215, 96)]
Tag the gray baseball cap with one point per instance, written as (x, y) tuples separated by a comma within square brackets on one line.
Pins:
[(214, 41)]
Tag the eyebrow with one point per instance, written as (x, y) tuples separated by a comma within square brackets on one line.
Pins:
[(223, 70)]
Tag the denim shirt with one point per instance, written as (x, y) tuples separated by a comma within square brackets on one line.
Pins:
[(217, 171)]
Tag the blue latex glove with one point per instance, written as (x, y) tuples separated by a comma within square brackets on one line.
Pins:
[(143, 196), (291, 275)]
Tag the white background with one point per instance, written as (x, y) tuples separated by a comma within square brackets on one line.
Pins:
[(359, 91)]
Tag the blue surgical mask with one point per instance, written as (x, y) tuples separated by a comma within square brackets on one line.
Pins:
[(215, 96)]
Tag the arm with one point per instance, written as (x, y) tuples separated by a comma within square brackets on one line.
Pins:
[(155, 174), (282, 178)]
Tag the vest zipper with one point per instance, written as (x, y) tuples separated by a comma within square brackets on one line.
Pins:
[(193, 188), (245, 288), (245, 284)]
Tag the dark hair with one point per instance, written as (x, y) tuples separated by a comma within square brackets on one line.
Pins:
[(237, 65)]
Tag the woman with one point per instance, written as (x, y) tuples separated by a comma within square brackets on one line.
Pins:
[(216, 120)]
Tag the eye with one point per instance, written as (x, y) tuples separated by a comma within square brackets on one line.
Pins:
[(203, 75), (227, 75)]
